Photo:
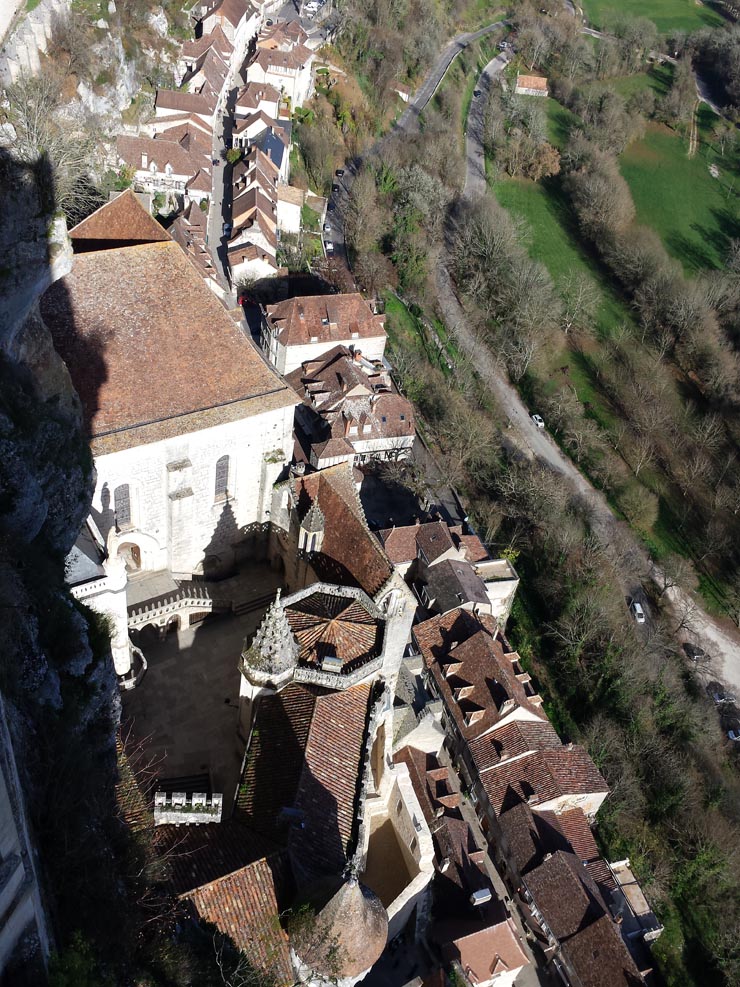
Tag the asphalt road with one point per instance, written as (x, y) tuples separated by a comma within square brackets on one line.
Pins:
[(718, 637)]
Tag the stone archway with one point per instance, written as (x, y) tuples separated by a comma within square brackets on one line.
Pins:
[(130, 553)]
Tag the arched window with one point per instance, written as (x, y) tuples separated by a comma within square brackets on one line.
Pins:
[(222, 478), (122, 505)]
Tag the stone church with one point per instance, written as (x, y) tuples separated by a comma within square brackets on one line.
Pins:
[(188, 424)]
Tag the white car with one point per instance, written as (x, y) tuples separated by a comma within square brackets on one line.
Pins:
[(539, 421), (329, 247), (637, 612)]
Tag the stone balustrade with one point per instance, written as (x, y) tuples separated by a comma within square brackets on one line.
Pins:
[(179, 809)]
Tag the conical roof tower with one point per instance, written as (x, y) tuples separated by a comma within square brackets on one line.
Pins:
[(274, 647)]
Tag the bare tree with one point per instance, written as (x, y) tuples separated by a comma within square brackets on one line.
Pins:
[(581, 300), (33, 103)]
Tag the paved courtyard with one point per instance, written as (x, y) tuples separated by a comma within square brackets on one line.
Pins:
[(186, 707)]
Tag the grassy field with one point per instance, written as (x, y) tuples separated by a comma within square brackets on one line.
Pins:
[(667, 15), (695, 214), (559, 121)]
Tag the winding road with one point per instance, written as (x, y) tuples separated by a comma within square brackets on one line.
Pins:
[(719, 638)]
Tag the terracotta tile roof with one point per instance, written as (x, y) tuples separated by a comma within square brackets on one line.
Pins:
[(327, 794), (126, 309), (399, 543), (541, 777), (232, 10), (564, 894), (434, 539), (305, 757), (162, 125), (431, 781), (531, 82), (216, 38), (241, 252), (512, 740), (350, 553), (197, 855), (339, 393), (330, 318), (122, 221), (251, 95), (288, 193), (600, 958), (174, 99), (475, 677), (281, 35), (575, 828), (142, 152), (334, 625), (483, 951), (475, 550), (244, 907), (531, 834), (276, 61)]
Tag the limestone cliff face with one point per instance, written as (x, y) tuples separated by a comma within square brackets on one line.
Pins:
[(56, 675)]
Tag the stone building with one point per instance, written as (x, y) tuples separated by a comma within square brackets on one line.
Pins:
[(306, 327), (188, 425), (351, 411)]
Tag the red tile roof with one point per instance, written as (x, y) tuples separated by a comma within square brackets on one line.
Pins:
[(350, 553), (174, 99), (305, 757), (483, 951), (600, 958), (251, 95), (243, 906), (330, 318), (122, 310), (122, 221), (542, 777), (339, 626), (512, 740), (476, 678)]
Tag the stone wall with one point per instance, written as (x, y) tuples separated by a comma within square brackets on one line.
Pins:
[(178, 523)]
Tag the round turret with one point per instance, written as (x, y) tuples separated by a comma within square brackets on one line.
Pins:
[(345, 933)]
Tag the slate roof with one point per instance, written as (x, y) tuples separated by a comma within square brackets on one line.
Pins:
[(452, 583), (330, 318), (122, 221), (305, 757), (350, 553), (334, 625), (84, 561), (151, 351)]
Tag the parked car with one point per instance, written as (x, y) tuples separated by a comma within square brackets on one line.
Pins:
[(695, 653), (539, 421), (722, 697), (637, 612), (330, 205), (339, 172), (215, 162), (734, 735), (503, 45), (477, 93), (329, 247), (335, 188), (227, 228)]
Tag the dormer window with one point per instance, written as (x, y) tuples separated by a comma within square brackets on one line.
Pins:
[(324, 322), (353, 430), (367, 427), (314, 339), (383, 418), (355, 335)]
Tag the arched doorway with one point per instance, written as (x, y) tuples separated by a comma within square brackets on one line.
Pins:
[(131, 555)]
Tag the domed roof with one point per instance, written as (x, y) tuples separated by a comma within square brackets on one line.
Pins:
[(349, 933)]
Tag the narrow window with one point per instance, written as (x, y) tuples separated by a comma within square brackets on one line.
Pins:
[(122, 502), (222, 478)]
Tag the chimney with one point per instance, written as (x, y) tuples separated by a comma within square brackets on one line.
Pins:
[(357, 356), (144, 160)]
